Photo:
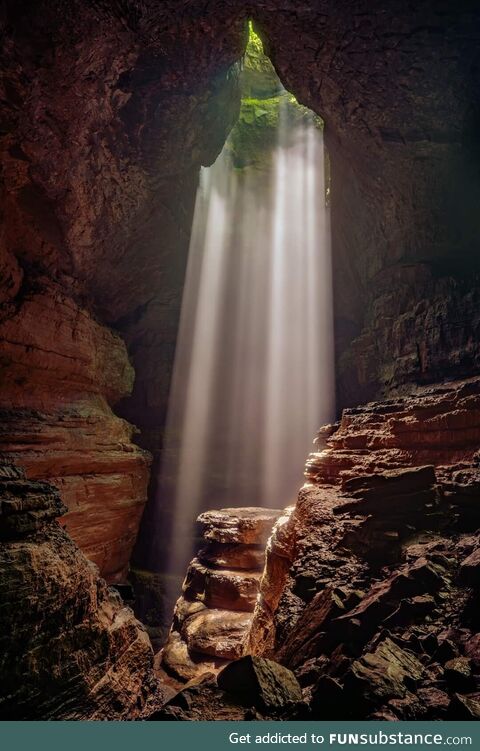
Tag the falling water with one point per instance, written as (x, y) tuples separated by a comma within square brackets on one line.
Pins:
[(253, 375)]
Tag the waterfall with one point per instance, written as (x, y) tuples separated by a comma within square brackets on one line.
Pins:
[(253, 374)]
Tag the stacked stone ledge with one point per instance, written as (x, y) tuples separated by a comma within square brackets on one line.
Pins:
[(213, 615)]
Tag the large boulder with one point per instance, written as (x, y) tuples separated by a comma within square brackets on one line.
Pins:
[(220, 633), (262, 683)]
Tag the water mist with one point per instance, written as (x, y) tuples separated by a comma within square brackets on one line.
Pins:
[(253, 375)]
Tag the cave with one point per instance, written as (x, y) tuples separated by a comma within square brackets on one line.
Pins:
[(359, 595)]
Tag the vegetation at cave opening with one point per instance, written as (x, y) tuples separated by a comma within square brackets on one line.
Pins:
[(264, 102)]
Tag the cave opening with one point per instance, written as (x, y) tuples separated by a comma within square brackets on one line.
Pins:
[(253, 376)]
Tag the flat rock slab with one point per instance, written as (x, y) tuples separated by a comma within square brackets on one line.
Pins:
[(221, 588), (219, 633), (233, 555), (250, 525)]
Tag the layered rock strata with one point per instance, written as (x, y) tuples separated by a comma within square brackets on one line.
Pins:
[(70, 649), (371, 580), (60, 373), (214, 613), (95, 224)]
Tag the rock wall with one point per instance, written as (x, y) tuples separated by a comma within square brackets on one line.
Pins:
[(395, 86), (371, 581), (61, 370), (107, 112), (70, 649)]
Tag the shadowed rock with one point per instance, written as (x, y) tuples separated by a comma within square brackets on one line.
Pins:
[(261, 683), (70, 649)]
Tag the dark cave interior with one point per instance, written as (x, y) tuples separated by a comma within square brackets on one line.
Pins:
[(107, 111)]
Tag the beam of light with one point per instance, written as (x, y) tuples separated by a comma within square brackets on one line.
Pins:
[(253, 377)]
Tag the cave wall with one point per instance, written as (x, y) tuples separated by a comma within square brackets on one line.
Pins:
[(396, 85), (107, 112), (61, 372)]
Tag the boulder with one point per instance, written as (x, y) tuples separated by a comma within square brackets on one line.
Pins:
[(458, 673), (301, 642), (387, 673), (470, 569), (411, 610), (472, 650), (464, 707), (434, 700), (185, 609), (178, 662), (219, 633), (262, 683), (327, 702)]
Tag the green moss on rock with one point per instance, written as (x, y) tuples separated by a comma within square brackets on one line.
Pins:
[(265, 103)]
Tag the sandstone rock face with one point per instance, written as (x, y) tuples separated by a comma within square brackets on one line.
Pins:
[(370, 583), (61, 370), (94, 236), (220, 587), (70, 649), (214, 613)]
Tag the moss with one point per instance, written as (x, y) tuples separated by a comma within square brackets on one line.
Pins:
[(264, 102), (259, 78)]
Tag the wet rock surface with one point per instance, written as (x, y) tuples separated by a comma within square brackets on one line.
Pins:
[(70, 649)]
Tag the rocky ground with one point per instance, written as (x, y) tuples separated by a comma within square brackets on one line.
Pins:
[(370, 589), (365, 604)]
